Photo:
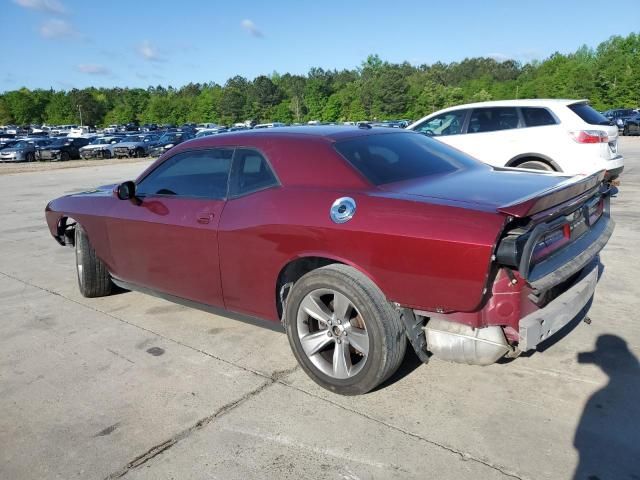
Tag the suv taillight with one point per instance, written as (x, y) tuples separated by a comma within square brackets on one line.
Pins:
[(589, 136)]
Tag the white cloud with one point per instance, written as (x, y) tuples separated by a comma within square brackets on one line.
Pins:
[(93, 69), (51, 6), (149, 52), (57, 28), (250, 27)]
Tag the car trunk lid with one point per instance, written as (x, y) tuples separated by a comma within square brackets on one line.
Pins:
[(506, 190)]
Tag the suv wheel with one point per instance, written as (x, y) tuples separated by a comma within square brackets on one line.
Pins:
[(344, 333)]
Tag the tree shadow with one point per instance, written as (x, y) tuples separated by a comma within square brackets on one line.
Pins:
[(608, 435)]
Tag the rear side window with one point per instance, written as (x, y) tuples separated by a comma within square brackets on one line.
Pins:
[(537, 117), (394, 157), (589, 114), (199, 174), (251, 172), (493, 119)]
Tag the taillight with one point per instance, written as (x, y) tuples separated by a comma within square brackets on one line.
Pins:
[(551, 242), (590, 136)]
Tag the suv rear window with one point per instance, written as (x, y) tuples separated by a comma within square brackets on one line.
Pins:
[(394, 157), (537, 117), (589, 114)]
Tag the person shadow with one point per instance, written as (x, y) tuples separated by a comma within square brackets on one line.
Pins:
[(608, 436)]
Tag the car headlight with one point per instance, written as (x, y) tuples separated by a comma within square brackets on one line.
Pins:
[(167, 147), (620, 122)]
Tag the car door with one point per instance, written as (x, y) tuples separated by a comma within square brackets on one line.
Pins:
[(246, 234), (492, 134), (167, 240)]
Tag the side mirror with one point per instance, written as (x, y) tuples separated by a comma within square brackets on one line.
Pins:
[(126, 191)]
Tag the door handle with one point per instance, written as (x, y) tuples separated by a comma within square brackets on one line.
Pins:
[(204, 218)]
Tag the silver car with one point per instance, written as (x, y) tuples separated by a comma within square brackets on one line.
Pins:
[(23, 150)]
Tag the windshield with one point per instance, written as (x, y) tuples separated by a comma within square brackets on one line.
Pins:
[(59, 142), (394, 157), (169, 137), (99, 141), (21, 144), (132, 138)]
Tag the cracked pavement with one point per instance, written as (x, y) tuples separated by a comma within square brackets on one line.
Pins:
[(132, 386)]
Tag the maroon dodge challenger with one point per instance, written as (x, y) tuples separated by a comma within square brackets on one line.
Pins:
[(358, 240)]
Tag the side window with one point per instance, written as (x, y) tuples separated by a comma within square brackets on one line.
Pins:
[(251, 172), (449, 123), (537, 117), (493, 119), (200, 174)]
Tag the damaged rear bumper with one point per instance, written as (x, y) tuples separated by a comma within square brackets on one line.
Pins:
[(542, 324)]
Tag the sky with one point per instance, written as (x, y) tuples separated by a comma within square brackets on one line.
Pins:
[(64, 44)]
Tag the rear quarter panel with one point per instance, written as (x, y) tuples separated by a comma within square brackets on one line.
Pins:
[(421, 255)]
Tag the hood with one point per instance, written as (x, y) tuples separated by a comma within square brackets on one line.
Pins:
[(104, 190), (510, 191), (129, 144), (12, 150), (93, 147)]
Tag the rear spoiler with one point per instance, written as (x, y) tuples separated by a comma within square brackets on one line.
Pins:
[(553, 196)]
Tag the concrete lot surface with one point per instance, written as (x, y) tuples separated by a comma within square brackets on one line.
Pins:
[(136, 387)]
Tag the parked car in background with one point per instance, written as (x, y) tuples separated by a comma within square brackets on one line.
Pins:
[(135, 145), (62, 149), (566, 136), (168, 141), (632, 125), (5, 143), (619, 115), (23, 150), (210, 131), (379, 235), (269, 125), (99, 147)]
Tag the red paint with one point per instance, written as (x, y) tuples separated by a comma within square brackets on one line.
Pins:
[(426, 243)]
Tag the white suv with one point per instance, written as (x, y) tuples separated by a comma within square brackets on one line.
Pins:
[(566, 136)]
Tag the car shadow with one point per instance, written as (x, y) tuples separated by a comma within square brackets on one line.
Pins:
[(408, 365), (608, 436)]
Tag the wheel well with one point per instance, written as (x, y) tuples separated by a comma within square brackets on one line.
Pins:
[(520, 159), (66, 230), (292, 272)]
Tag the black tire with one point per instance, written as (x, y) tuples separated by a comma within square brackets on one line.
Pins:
[(386, 344), (106, 154), (139, 153), (31, 157), (536, 165), (625, 131), (93, 277), (64, 157)]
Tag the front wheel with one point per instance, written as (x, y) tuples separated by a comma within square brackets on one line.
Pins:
[(64, 157), (93, 277), (344, 333)]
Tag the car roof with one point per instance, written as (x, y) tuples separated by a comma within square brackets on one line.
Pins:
[(330, 133), (525, 102)]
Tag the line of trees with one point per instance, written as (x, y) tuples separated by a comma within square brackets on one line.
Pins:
[(608, 75)]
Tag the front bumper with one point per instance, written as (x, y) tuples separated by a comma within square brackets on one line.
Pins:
[(48, 155), (542, 324)]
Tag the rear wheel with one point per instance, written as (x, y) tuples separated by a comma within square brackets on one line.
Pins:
[(625, 130), (106, 154), (536, 165), (93, 277), (31, 157), (344, 333)]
